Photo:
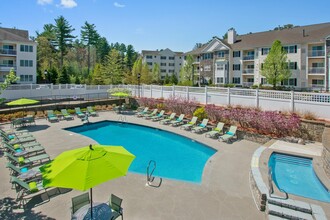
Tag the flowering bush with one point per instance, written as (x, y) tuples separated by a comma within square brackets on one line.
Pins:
[(148, 102), (264, 122), (180, 105)]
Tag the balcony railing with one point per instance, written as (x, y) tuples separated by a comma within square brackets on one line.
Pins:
[(248, 57), (316, 53), (248, 71), (247, 84), (7, 51), (316, 70)]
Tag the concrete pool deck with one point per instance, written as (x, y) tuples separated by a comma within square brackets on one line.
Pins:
[(224, 192)]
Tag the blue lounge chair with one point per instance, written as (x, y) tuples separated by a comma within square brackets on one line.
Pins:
[(143, 112), (229, 135), (79, 113), (177, 121), (51, 116), (159, 116), (201, 127), (167, 120)]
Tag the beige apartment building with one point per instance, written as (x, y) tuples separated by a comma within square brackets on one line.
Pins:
[(239, 58), (18, 52), (169, 62)]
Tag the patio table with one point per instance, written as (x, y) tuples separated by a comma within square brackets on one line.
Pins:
[(101, 211)]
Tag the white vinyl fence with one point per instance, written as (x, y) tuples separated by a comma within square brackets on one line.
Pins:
[(317, 103)]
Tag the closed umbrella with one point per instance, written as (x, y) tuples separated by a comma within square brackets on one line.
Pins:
[(86, 167)]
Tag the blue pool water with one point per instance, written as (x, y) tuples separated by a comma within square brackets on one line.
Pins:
[(177, 157), (296, 175)]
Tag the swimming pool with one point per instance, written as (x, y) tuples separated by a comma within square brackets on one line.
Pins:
[(176, 157), (296, 175)]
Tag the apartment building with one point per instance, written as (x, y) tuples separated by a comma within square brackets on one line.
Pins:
[(239, 58), (19, 53), (169, 62)]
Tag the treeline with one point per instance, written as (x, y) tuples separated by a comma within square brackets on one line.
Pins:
[(88, 58)]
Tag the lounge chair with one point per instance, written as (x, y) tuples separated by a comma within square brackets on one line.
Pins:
[(177, 121), (14, 135), (18, 122), (28, 120), (190, 124), (79, 201), (143, 112), (17, 140), (153, 113), (21, 160), (24, 189), (167, 119), (201, 127), (115, 204), (229, 135), (66, 115), (36, 149), (159, 116), (91, 111), (79, 113), (216, 131), (51, 116), (16, 171)]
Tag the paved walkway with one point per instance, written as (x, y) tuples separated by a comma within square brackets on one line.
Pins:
[(223, 194)]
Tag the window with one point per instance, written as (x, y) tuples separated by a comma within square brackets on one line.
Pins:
[(26, 78), (171, 71), (222, 53), (207, 68), (7, 63), (163, 57), (163, 71), (171, 64), (264, 81), (236, 80), (171, 58), (149, 57), (289, 82), (149, 63), (26, 48), (290, 49), (250, 66), (207, 56), (237, 54), (219, 80), (250, 80), (162, 64), (236, 67), (26, 63), (292, 65), (317, 64), (220, 66), (265, 51), (318, 82)]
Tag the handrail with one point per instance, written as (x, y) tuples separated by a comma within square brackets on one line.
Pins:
[(150, 177), (122, 118), (271, 188)]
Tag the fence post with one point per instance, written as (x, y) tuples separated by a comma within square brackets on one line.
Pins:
[(173, 90), (187, 90), (161, 92), (292, 101), (98, 87), (257, 98), (150, 91), (228, 96), (205, 95)]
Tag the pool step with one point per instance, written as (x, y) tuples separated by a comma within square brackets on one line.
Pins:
[(291, 204), (287, 213)]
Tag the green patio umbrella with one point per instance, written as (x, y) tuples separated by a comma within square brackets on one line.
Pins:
[(22, 101), (120, 94), (86, 167)]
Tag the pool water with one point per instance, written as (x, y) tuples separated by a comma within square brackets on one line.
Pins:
[(296, 175), (176, 157)]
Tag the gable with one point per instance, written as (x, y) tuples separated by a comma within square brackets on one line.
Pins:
[(214, 45)]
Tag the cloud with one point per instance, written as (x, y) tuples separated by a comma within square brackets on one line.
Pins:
[(68, 3), (44, 2), (118, 5)]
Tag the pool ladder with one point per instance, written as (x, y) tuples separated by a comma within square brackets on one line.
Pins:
[(150, 177), (270, 183), (122, 118)]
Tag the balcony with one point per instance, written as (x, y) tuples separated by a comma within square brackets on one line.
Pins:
[(248, 71), (316, 53), (247, 84), (7, 67), (316, 70), (248, 57), (7, 51)]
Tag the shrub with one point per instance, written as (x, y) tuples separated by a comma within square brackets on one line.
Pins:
[(309, 115), (180, 105), (200, 113), (148, 102), (119, 90)]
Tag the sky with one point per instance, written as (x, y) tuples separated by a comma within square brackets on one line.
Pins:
[(154, 24)]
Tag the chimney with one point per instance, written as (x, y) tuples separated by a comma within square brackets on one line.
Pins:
[(231, 36)]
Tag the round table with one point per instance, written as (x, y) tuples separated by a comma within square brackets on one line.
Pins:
[(100, 211)]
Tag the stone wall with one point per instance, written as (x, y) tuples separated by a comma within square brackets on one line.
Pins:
[(260, 198), (326, 149), (258, 138), (312, 130)]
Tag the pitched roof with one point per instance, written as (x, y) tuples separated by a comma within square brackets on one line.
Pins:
[(14, 35), (157, 52), (297, 35)]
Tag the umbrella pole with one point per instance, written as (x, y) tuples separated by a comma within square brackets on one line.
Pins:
[(91, 192)]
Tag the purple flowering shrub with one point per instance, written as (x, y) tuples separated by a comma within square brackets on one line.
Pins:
[(180, 105), (262, 122), (148, 102)]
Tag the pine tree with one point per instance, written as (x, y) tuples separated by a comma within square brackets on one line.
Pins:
[(98, 78), (113, 68), (167, 79), (156, 73), (64, 77), (275, 67), (174, 79), (186, 71)]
